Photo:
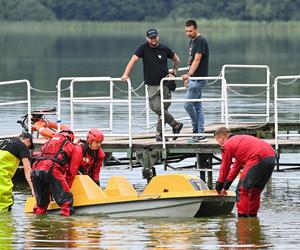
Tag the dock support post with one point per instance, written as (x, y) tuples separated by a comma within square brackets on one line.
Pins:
[(130, 155), (148, 158), (164, 159), (165, 164), (209, 173), (277, 156), (204, 161)]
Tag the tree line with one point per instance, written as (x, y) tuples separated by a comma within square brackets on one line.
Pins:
[(143, 10)]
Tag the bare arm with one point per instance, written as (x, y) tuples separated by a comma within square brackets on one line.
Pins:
[(176, 63), (27, 172), (129, 67), (193, 67)]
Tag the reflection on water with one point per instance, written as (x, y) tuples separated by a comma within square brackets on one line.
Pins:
[(248, 231), (92, 232), (91, 51), (7, 230), (63, 54), (48, 231), (276, 228)]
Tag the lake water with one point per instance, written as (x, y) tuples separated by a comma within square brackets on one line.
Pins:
[(276, 227), (42, 53)]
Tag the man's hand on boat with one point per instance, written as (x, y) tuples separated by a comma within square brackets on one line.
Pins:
[(222, 192)]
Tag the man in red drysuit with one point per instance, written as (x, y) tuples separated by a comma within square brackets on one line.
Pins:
[(91, 153), (255, 157), (58, 159)]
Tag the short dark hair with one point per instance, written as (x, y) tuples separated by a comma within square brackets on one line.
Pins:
[(191, 22), (26, 135), (222, 131)]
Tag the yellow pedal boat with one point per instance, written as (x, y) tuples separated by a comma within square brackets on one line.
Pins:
[(171, 195)]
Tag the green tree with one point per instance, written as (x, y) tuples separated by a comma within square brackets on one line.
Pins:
[(140, 10), (104, 10), (19, 10)]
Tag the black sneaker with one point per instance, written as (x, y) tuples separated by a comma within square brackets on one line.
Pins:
[(159, 137), (202, 138), (177, 129)]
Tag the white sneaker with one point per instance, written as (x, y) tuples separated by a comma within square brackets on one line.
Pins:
[(196, 139)]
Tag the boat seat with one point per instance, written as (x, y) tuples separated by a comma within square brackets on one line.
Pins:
[(119, 186), (85, 190), (174, 183)]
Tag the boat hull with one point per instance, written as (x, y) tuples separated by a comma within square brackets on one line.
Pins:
[(186, 207), (174, 196)]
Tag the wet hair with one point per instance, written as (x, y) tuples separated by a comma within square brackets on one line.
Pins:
[(222, 131), (191, 22)]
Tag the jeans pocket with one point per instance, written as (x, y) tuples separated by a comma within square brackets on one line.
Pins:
[(193, 84)]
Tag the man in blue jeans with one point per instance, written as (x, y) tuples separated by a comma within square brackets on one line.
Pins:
[(198, 67)]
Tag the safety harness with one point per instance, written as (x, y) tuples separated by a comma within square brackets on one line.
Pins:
[(94, 156), (50, 151)]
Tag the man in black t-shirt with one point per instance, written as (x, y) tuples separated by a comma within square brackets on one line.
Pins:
[(12, 151), (155, 61), (198, 67)]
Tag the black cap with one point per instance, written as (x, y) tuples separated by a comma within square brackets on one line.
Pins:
[(26, 135), (151, 33)]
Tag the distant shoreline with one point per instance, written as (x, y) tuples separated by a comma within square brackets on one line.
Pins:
[(123, 28)]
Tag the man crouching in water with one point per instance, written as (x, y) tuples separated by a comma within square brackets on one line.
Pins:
[(57, 160), (255, 157)]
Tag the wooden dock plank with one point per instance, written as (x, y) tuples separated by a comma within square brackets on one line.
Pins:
[(143, 141)]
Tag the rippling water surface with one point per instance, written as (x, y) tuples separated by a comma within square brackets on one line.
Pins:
[(277, 226), (43, 56)]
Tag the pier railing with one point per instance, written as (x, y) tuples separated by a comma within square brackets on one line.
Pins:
[(25, 101), (227, 113), (220, 99), (286, 100), (150, 123), (104, 99), (110, 99)]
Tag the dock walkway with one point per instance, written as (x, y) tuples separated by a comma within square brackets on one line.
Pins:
[(244, 107), (146, 152)]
